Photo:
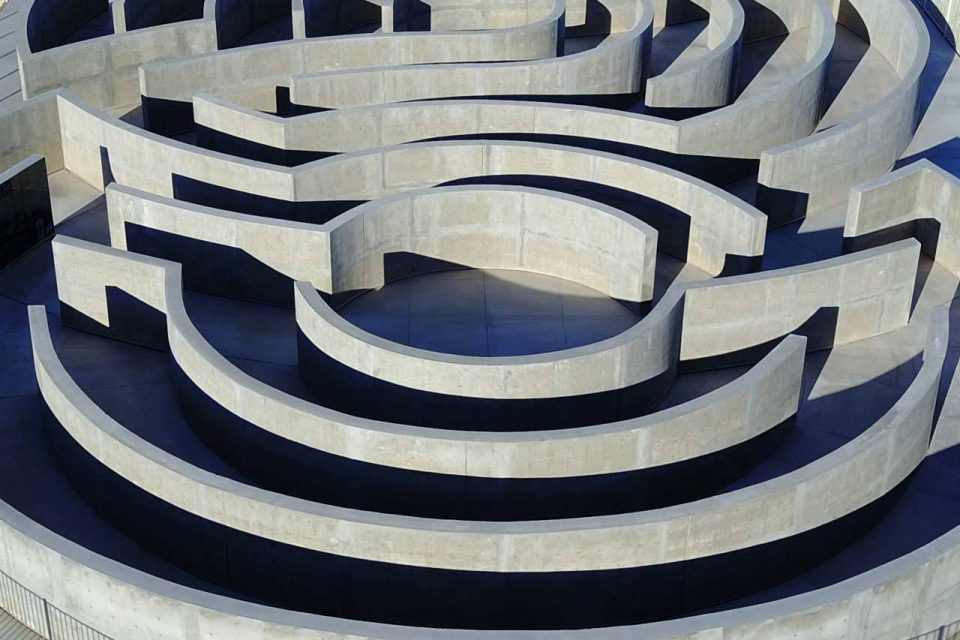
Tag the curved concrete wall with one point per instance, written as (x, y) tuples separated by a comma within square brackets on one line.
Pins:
[(867, 296), (489, 227), (742, 130), (724, 321), (298, 250), (724, 232), (710, 81), (920, 200), (616, 67), (818, 171), (945, 14), (105, 71), (746, 418), (907, 596), (845, 480), (496, 227), (255, 77)]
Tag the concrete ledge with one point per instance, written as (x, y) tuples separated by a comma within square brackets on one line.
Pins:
[(712, 80), (816, 172), (920, 200)]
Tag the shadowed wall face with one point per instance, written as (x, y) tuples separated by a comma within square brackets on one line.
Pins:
[(25, 214)]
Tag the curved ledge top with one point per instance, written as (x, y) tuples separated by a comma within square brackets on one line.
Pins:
[(615, 66), (215, 615), (743, 129), (828, 163), (894, 445), (711, 80)]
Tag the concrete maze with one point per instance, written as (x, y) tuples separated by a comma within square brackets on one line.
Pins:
[(479, 319)]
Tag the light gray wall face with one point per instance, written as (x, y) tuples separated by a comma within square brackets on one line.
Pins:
[(105, 71), (297, 250), (825, 166), (274, 63), (720, 224), (896, 203), (711, 80), (894, 445), (498, 228), (32, 128), (870, 291), (613, 67)]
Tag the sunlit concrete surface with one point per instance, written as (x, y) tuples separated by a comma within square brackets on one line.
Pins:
[(192, 450)]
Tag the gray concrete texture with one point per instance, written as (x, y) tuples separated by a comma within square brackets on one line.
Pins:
[(822, 134)]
